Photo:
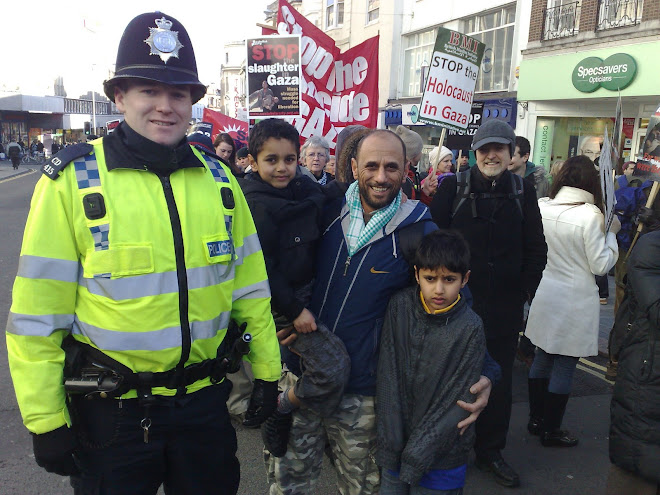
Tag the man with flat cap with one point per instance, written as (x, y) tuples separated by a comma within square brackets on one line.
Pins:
[(497, 213), (140, 263)]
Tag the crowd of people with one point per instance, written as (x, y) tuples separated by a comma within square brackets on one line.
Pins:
[(382, 312)]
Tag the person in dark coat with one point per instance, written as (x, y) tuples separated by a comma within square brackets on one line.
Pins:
[(432, 349), (504, 231), (286, 207), (635, 410)]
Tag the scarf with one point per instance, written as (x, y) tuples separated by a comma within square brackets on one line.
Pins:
[(359, 234)]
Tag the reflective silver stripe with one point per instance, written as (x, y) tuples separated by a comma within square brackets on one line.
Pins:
[(154, 284), (112, 340), (254, 291), (153, 340), (250, 246), (207, 276), (200, 330), (119, 289), (38, 267), (37, 325)]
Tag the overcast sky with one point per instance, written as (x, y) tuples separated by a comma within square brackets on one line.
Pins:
[(43, 40)]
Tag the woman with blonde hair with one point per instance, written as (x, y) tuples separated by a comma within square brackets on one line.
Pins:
[(554, 169)]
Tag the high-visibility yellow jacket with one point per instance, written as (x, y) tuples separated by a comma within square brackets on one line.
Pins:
[(157, 277)]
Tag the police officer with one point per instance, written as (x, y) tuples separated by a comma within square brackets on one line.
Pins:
[(138, 252)]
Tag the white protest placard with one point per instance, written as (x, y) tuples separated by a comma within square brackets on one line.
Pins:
[(449, 87)]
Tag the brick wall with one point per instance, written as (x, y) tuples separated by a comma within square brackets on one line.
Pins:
[(536, 20), (651, 10), (588, 15)]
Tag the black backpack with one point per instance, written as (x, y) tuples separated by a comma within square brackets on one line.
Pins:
[(463, 193), (14, 151)]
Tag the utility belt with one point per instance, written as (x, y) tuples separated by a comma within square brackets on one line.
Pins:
[(92, 373)]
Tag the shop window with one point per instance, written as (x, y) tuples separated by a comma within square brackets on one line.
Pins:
[(417, 53), (618, 13), (373, 6), (559, 138), (334, 13), (495, 29), (561, 18)]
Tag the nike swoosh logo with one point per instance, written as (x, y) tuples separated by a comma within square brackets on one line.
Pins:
[(373, 270)]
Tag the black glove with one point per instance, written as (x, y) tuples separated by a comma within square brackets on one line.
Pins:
[(262, 403), (53, 451), (645, 215)]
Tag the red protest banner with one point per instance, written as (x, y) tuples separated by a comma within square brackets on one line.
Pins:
[(338, 89), (237, 129)]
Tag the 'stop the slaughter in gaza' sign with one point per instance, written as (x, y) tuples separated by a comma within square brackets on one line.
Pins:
[(449, 88)]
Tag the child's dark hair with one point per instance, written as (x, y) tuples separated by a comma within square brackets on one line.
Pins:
[(443, 248), (272, 128)]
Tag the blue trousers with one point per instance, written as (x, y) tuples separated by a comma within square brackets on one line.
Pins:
[(557, 368)]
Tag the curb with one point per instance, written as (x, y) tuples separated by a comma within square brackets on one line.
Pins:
[(17, 174)]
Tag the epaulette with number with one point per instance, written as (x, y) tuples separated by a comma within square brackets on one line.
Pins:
[(62, 158)]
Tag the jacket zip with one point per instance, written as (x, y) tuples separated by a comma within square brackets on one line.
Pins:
[(346, 265), (182, 277)]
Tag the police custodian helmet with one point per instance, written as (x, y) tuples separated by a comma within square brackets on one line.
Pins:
[(155, 46)]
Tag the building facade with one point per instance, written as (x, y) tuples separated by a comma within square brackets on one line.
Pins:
[(580, 57), (52, 118)]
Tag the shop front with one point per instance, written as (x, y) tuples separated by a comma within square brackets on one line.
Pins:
[(567, 101)]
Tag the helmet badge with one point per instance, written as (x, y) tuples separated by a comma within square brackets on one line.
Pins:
[(163, 41)]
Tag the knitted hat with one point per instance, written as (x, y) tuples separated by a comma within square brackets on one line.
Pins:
[(438, 154), (494, 131), (411, 139)]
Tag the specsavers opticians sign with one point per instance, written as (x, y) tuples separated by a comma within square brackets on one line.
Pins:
[(614, 73)]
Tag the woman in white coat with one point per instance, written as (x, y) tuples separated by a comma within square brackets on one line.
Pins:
[(563, 318)]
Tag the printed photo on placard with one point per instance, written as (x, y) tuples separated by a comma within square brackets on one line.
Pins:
[(273, 76)]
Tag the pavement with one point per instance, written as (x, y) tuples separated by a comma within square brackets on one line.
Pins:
[(7, 171)]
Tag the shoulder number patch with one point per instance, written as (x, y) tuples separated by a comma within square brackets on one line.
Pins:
[(57, 163)]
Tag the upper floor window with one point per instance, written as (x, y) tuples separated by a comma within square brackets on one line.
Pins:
[(418, 49), (618, 13), (372, 10), (334, 13), (495, 29), (561, 19)]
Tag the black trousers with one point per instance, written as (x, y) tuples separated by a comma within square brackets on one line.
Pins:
[(493, 422), (603, 287), (191, 446)]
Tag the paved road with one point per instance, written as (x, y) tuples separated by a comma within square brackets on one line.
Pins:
[(581, 470)]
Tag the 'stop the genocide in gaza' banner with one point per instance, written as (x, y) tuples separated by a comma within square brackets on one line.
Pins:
[(338, 89), (449, 87), (273, 76)]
